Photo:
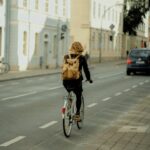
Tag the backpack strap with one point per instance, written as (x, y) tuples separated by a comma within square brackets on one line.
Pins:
[(75, 57)]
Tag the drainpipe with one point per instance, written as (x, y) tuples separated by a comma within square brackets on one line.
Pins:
[(7, 31), (28, 35), (90, 45), (57, 46)]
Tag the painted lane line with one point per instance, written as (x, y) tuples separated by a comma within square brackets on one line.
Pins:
[(92, 105), (13, 141), (22, 95), (48, 124), (41, 78), (54, 88), (141, 83), (102, 77), (15, 83), (29, 81), (134, 86), (146, 81), (119, 93), (106, 99), (126, 90)]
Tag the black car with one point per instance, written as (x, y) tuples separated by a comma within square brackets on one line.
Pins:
[(138, 61)]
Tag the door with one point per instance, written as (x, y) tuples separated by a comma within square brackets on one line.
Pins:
[(46, 54)]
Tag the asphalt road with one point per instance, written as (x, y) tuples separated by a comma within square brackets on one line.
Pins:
[(30, 117)]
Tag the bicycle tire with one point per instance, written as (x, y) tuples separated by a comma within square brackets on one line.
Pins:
[(67, 120), (1, 70), (7, 67), (80, 123)]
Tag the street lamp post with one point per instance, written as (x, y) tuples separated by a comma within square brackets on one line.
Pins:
[(101, 25)]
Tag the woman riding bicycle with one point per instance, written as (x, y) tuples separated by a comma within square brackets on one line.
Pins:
[(76, 84)]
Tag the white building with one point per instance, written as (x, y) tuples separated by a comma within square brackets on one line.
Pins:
[(2, 26), (37, 33)]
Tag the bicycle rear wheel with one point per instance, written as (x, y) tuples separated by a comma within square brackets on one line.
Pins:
[(80, 123), (7, 67), (67, 119)]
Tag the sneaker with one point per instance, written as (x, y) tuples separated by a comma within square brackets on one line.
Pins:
[(77, 117)]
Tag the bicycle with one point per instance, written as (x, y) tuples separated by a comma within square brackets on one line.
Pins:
[(4, 67), (68, 113)]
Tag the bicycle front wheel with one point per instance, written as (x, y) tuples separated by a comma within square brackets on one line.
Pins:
[(67, 119), (80, 123)]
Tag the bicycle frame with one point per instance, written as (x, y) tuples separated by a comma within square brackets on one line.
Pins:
[(4, 67), (66, 102), (68, 114)]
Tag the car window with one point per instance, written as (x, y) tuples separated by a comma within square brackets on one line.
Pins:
[(139, 53)]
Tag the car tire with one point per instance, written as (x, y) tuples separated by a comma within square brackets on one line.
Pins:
[(128, 72)]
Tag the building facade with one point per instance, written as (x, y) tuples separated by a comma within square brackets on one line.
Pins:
[(37, 33), (2, 26), (99, 26)]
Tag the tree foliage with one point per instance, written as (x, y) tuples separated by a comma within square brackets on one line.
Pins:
[(135, 15)]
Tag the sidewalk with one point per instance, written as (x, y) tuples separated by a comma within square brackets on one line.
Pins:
[(131, 132), (12, 75)]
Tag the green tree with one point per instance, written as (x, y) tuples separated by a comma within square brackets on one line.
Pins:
[(134, 16)]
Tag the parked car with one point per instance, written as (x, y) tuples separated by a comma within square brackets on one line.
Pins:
[(138, 60)]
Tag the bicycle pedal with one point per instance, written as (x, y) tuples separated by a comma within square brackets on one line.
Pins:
[(77, 119)]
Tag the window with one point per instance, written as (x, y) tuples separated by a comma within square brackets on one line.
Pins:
[(56, 7), (36, 44), (1, 2), (64, 7), (25, 43), (0, 40), (94, 9), (24, 3), (54, 46), (36, 4), (46, 5), (99, 11)]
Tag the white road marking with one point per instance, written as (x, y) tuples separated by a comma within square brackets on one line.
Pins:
[(48, 124), (141, 83), (146, 81), (29, 81), (102, 77), (14, 83), (119, 93), (54, 88), (13, 141), (134, 86), (22, 95), (126, 90), (41, 79), (30, 93), (106, 99), (92, 105)]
